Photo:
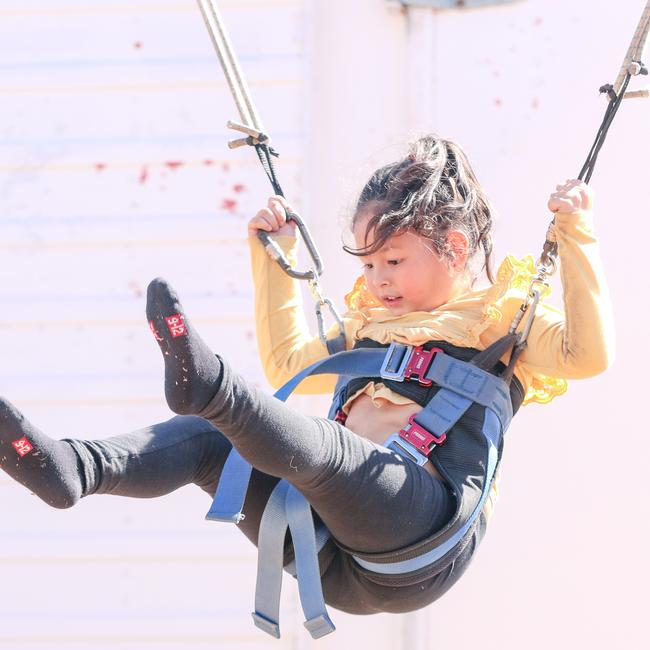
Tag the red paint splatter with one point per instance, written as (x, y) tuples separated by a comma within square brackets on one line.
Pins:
[(100, 166), (498, 102), (229, 204), (144, 175), (238, 188), (535, 103), (136, 289), (137, 45), (207, 162), (174, 164), (538, 21), (225, 167)]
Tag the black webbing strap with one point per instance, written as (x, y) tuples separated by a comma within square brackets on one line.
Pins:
[(265, 153), (612, 108)]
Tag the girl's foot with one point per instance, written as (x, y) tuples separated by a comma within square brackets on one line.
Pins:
[(47, 467), (192, 371)]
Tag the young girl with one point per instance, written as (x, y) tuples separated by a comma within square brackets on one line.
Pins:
[(422, 232)]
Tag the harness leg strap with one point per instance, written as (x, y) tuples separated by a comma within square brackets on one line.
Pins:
[(301, 524), (229, 498), (273, 530)]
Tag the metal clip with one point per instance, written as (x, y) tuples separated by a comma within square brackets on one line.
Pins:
[(424, 441), (322, 332), (274, 251), (414, 442), (637, 67), (397, 358), (532, 306), (405, 449), (254, 136), (419, 365)]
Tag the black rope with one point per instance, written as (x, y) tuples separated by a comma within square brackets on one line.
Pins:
[(550, 247), (612, 108), (266, 154)]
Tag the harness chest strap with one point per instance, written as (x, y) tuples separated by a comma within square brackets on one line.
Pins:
[(461, 385)]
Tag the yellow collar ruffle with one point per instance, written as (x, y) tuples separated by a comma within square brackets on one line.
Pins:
[(461, 321)]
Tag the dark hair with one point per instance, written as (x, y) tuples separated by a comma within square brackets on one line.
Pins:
[(430, 192)]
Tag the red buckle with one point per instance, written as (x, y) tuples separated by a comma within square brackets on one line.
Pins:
[(419, 364), (419, 437), (341, 416)]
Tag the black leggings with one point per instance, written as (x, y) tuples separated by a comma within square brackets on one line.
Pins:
[(371, 499)]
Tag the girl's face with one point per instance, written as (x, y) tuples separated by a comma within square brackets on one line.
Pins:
[(406, 274)]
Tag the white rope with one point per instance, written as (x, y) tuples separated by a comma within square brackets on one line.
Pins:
[(230, 66), (635, 51)]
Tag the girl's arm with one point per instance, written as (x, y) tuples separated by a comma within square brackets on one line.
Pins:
[(580, 342), (285, 344)]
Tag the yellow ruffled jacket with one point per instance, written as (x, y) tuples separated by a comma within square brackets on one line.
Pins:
[(571, 345)]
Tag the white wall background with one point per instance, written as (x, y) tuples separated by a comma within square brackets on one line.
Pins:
[(114, 169)]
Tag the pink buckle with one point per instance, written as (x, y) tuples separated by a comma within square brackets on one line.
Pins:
[(419, 364), (341, 416), (419, 437)]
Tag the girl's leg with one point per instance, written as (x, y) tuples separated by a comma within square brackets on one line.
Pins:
[(157, 460), (146, 463), (149, 462), (371, 499), (153, 461)]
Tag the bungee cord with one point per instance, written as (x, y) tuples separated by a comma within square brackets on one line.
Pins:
[(255, 136), (233, 73), (635, 55), (253, 129), (547, 262)]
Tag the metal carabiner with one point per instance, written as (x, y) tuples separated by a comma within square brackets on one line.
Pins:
[(320, 302), (322, 332), (531, 309), (528, 308), (275, 252)]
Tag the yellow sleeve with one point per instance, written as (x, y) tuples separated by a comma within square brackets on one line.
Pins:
[(285, 344), (578, 343)]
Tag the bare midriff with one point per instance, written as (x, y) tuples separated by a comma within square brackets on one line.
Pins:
[(378, 424)]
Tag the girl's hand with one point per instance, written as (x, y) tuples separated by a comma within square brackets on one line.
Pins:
[(272, 218), (573, 196)]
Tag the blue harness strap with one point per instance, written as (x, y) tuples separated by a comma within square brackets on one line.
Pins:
[(235, 477), (228, 503), (286, 507), (303, 535), (270, 546), (461, 385), (477, 385)]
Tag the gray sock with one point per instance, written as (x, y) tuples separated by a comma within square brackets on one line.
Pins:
[(47, 467), (192, 371)]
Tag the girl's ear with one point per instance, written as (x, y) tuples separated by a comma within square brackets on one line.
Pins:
[(459, 244)]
